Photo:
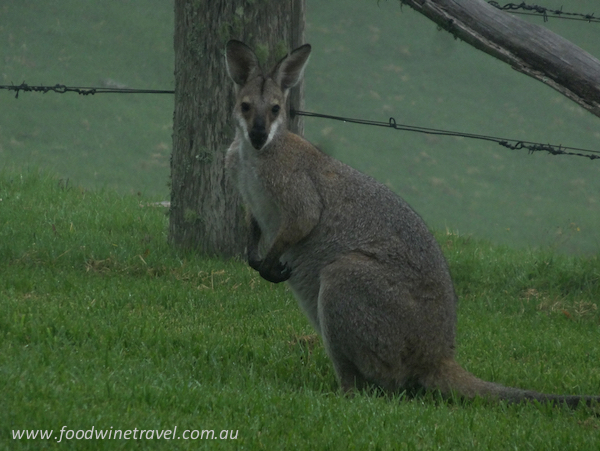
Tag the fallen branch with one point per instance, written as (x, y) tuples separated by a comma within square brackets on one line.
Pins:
[(528, 48)]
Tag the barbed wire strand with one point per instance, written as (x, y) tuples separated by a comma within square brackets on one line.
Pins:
[(544, 12), (61, 89), (513, 144)]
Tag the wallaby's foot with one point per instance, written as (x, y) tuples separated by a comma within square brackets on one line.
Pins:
[(351, 381)]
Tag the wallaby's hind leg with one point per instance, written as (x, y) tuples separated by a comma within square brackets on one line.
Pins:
[(361, 323), (350, 377)]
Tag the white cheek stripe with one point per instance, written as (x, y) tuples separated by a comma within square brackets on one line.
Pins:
[(243, 126), (274, 127)]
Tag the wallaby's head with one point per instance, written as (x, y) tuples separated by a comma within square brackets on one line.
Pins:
[(260, 108)]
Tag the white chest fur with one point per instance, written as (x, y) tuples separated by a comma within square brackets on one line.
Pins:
[(243, 162)]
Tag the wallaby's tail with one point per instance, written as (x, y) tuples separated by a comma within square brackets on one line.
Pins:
[(452, 378)]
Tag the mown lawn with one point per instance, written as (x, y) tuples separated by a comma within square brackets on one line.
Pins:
[(105, 326)]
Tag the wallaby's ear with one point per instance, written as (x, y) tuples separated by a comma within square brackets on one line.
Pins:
[(242, 63), (288, 72)]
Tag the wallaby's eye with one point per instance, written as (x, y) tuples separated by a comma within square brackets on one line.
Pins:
[(245, 107), (275, 109)]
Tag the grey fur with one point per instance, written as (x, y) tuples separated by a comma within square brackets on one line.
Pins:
[(363, 265)]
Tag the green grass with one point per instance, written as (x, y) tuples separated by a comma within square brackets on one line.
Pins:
[(105, 140), (104, 325), (370, 59)]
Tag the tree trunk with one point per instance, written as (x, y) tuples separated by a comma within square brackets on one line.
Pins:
[(205, 212), (528, 48)]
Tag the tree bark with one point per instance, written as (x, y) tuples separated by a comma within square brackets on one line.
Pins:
[(528, 48), (206, 212)]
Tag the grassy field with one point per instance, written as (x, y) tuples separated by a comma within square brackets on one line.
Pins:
[(105, 326), (371, 60)]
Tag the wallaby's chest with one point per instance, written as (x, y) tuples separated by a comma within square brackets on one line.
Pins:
[(253, 182)]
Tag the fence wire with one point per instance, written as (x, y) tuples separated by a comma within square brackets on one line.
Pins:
[(513, 144), (61, 89), (535, 10)]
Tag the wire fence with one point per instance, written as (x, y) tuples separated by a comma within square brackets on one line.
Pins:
[(513, 144), (61, 89), (535, 10)]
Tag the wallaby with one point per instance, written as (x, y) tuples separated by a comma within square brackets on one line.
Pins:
[(363, 265)]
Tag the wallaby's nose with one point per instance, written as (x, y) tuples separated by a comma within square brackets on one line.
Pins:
[(258, 136)]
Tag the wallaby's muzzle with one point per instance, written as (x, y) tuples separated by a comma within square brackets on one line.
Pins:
[(258, 136)]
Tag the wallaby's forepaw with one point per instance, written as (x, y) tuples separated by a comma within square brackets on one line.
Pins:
[(280, 273), (275, 274), (254, 262)]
